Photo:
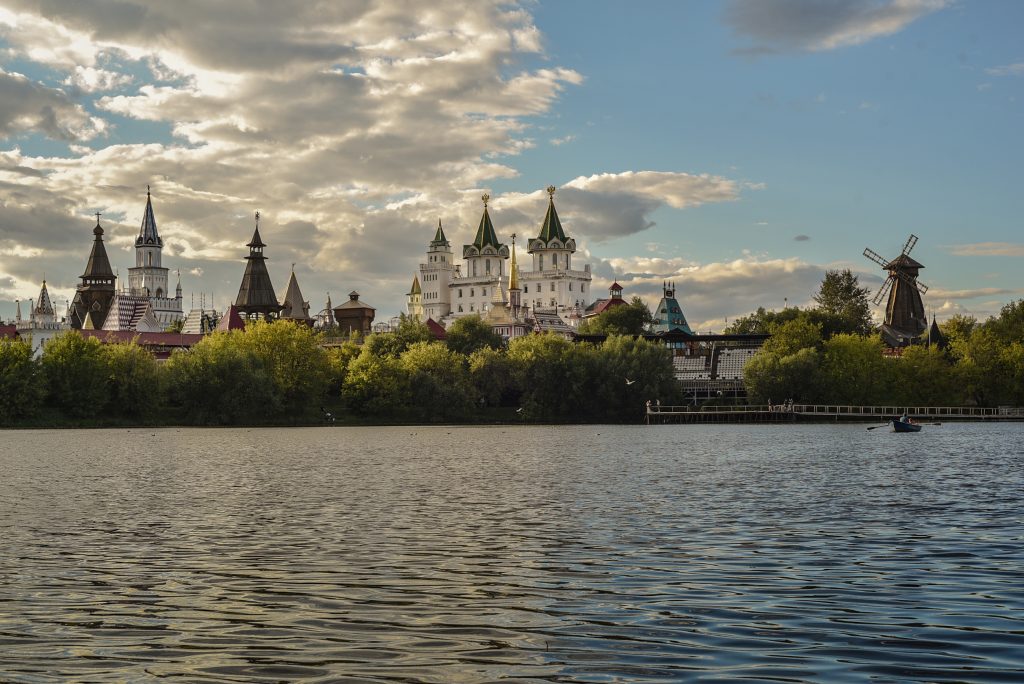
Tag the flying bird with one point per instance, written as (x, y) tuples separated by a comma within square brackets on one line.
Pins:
[(629, 382)]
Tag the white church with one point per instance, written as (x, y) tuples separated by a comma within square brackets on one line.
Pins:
[(553, 289)]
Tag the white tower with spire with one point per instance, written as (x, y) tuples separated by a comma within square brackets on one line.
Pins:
[(42, 323), (435, 276), (148, 278)]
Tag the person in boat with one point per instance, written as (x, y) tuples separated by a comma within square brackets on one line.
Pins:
[(906, 419)]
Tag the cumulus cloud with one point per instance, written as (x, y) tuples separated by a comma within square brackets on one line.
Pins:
[(939, 293), (817, 25), (27, 106), (1012, 249)]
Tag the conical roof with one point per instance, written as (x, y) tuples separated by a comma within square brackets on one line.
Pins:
[(44, 306), (439, 238), (513, 271), (416, 289), (148, 234), (256, 293), (256, 241), (485, 234), (98, 265), (294, 305), (552, 228)]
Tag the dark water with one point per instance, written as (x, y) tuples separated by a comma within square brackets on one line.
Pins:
[(596, 554)]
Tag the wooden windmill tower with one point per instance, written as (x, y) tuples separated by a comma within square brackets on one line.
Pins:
[(905, 319)]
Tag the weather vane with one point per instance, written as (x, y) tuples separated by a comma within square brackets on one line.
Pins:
[(486, 198), (551, 192), (257, 218)]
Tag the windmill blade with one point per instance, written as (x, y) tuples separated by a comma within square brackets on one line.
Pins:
[(911, 241), (883, 291), (875, 256), (914, 282)]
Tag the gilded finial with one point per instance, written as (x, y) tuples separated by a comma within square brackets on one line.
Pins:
[(486, 198), (551, 192)]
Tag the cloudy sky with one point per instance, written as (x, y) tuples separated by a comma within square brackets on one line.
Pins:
[(737, 148)]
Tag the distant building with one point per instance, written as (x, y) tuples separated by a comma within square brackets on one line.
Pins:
[(256, 297), (92, 299), (354, 315), (601, 305), (668, 315), (294, 307), (554, 283), (148, 278), (415, 299), (42, 323), (132, 313)]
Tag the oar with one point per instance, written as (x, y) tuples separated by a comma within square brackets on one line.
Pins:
[(875, 427), (928, 423)]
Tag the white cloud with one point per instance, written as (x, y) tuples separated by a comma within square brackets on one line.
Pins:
[(1011, 249), (29, 106), (818, 25), (1016, 69)]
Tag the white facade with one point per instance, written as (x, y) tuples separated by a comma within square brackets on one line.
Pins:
[(435, 277), (148, 278), (42, 323)]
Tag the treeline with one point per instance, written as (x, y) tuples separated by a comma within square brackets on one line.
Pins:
[(832, 354), (278, 373)]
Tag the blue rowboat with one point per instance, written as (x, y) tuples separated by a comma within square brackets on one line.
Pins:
[(901, 426)]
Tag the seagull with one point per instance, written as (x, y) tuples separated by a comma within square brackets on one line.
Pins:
[(519, 410), (629, 382)]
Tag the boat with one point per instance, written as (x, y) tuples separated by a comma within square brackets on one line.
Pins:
[(904, 426)]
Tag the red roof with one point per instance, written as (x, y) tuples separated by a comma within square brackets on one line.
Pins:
[(436, 329), (602, 305), (615, 286), (231, 320), (8, 331)]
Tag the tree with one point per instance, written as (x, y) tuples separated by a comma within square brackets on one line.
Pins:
[(552, 376), (292, 355), (923, 376), (1009, 324), (840, 296), (409, 331), (438, 381), (75, 374), (793, 376), (626, 319), (134, 380), (854, 371), (470, 333), (491, 373), (21, 387), (375, 385), (175, 326), (632, 370), (762, 321), (338, 360), (957, 330), (220, 381), (792, 336)]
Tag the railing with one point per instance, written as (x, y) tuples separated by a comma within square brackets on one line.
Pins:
[(838, 410)]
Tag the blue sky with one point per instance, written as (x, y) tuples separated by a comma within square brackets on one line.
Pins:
[(737, 148)]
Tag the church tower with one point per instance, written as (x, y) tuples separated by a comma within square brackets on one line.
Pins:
[(148, 278), (553, 283), (415, 299), (92, 299), (256, 297), (515, 296), (435, 276), (295, 307)]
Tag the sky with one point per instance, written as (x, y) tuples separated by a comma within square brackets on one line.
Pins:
[(738, 149)]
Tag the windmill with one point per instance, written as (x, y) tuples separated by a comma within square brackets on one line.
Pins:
[(905, 318)]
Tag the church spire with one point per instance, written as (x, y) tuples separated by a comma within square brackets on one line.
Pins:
[(439, 238), (98, 266), (513, 271), (485, 232), (148, 234), (552, 228)]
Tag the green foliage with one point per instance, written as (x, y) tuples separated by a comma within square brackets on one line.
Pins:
[(627, 319), (1008, 326), (375, 385), (793, 335), (409, 332), (21, 387), (134, 380), (854, 371), (220, 381), (844, 303), (551, 384), (175, 326), (763, 322), (957, 331), (338, 360), (924, 376), (438, 382), (492, 377), (631, 371), (774, 377), (291, 354), (470, 333), (75, 374)]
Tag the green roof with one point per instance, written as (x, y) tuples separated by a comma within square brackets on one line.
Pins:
[(485, 233), (552, 228), (439, 237)]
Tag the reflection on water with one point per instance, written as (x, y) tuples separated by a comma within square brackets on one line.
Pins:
[(601, 553)]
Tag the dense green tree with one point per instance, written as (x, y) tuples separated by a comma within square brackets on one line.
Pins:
[(438, 381), (75, 374), (627, 319), (924, 376), (134, 379), (1011, 358), (292, 355), (854, 371), (841, 298), (774, 377), (763, 322), (338, 359), (21, 387), (376, 385), (219, 381), (631, 371), (957, 330), (552, 376), (491, 373), (1008, 326), (408, 332), (469, 333), (792, 336)]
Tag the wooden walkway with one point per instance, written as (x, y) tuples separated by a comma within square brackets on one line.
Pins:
[(822, 413)]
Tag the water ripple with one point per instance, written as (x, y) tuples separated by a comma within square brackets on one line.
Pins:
[(670, 553)]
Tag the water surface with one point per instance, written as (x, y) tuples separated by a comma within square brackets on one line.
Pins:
[(568, 554)]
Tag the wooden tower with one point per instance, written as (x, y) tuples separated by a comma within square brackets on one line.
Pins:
[(905, 318)]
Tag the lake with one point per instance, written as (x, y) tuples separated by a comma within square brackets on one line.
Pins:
[(568, 554)]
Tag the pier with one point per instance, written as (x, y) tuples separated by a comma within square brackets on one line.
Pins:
[(822, 413)]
